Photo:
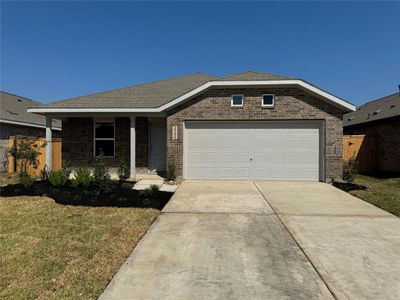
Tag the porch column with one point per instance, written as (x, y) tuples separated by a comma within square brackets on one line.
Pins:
[(49, 140), (133, 148)]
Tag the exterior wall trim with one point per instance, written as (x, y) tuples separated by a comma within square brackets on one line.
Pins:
[(27, 124), (346, 106)]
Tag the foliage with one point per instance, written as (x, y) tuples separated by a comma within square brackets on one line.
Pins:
[(101, 173), (83, 178), (349, 170), (44, 174), (154, 187), (26, 180), (123, 170), (57, 178), (25, 155), (171, 171), (66, 166)]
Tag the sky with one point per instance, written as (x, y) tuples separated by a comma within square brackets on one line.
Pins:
[(56, 50)]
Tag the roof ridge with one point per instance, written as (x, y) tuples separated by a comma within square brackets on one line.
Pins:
[(131, 86), (379, 99)]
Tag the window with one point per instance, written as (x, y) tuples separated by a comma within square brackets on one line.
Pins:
[(237, 100), (268, 100), (104, 141)]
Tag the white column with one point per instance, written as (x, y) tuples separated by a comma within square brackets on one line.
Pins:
[(49, 139), (133, 148)]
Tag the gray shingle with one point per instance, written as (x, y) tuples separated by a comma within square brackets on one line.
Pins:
[(148, 95), (379, 109), (14, 108)]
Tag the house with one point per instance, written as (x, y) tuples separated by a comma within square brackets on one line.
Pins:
[(245, 126), (15, 120), (379, 119)]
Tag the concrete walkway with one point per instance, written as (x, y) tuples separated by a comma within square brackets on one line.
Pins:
[(263, 240)]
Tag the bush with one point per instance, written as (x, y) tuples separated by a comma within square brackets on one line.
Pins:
[(44, 174), (57, 178), (349, 170), (171, 171), (83, 178), (101, 173), (123, 170), (26, 180), (154, 187), (66, 167)]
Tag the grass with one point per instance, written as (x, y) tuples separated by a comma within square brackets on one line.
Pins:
[(49, 250), (383, 193)]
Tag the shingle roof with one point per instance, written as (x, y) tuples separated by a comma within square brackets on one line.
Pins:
[(13, 108), (379, 109), (148, 95), (251, 75)]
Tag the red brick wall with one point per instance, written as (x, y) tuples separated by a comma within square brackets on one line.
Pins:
[(78, 136), (290, 104), (387, 137)]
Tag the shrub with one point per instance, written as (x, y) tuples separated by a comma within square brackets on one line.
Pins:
[(25, 155), (66, 167), (44, 174), (26, 180), (83, 178), (349, 170), (123, 170), (154, 187), (57, 178), (171, 171), (101, 173)]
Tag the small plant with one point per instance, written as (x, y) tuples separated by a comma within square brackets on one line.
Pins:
[(101, 173), (349, 170), (26, 180), (44, 174), (171, 171), (123, 170), (83, 178), (154, 187), (57, 178), (25, 155), (66, 167)]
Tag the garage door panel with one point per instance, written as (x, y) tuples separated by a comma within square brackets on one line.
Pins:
[(252, 150)]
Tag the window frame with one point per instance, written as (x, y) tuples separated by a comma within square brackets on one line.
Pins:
[(103, 139), (237, 105), (268, 105)]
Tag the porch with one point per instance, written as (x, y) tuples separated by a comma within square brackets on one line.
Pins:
[(140, 141)]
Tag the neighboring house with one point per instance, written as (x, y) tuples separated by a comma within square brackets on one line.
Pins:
[(244, 126), (15, 120), (381, 120)]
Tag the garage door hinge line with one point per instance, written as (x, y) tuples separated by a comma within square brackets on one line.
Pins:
[(298, 245)]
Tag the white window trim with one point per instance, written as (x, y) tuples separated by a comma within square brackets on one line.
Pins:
[(237, 105), (268, 105), (102, 139)]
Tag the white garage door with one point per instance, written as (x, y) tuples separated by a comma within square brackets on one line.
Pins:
[(273, 150)]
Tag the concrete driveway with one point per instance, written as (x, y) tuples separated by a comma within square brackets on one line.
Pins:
[(263, 240)]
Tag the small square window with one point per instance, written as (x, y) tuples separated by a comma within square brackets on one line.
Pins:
[(268, 100), (237, 100)]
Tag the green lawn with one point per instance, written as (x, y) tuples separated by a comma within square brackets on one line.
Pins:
[(49, 250), (383, 193)]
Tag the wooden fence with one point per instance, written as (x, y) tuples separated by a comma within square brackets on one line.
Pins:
[(40, 145), (363, 149)]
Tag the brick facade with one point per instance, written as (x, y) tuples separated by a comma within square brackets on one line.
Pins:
[(290, 104), (78, 142), (387, 142)]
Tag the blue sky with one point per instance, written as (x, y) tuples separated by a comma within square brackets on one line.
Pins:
[(57, 50)]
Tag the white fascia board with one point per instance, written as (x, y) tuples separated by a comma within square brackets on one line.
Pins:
[(25, 124), (335, 100)]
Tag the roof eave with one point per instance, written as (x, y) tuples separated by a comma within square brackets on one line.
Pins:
[(340, 103)]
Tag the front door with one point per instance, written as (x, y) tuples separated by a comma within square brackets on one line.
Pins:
[(158, 146)]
